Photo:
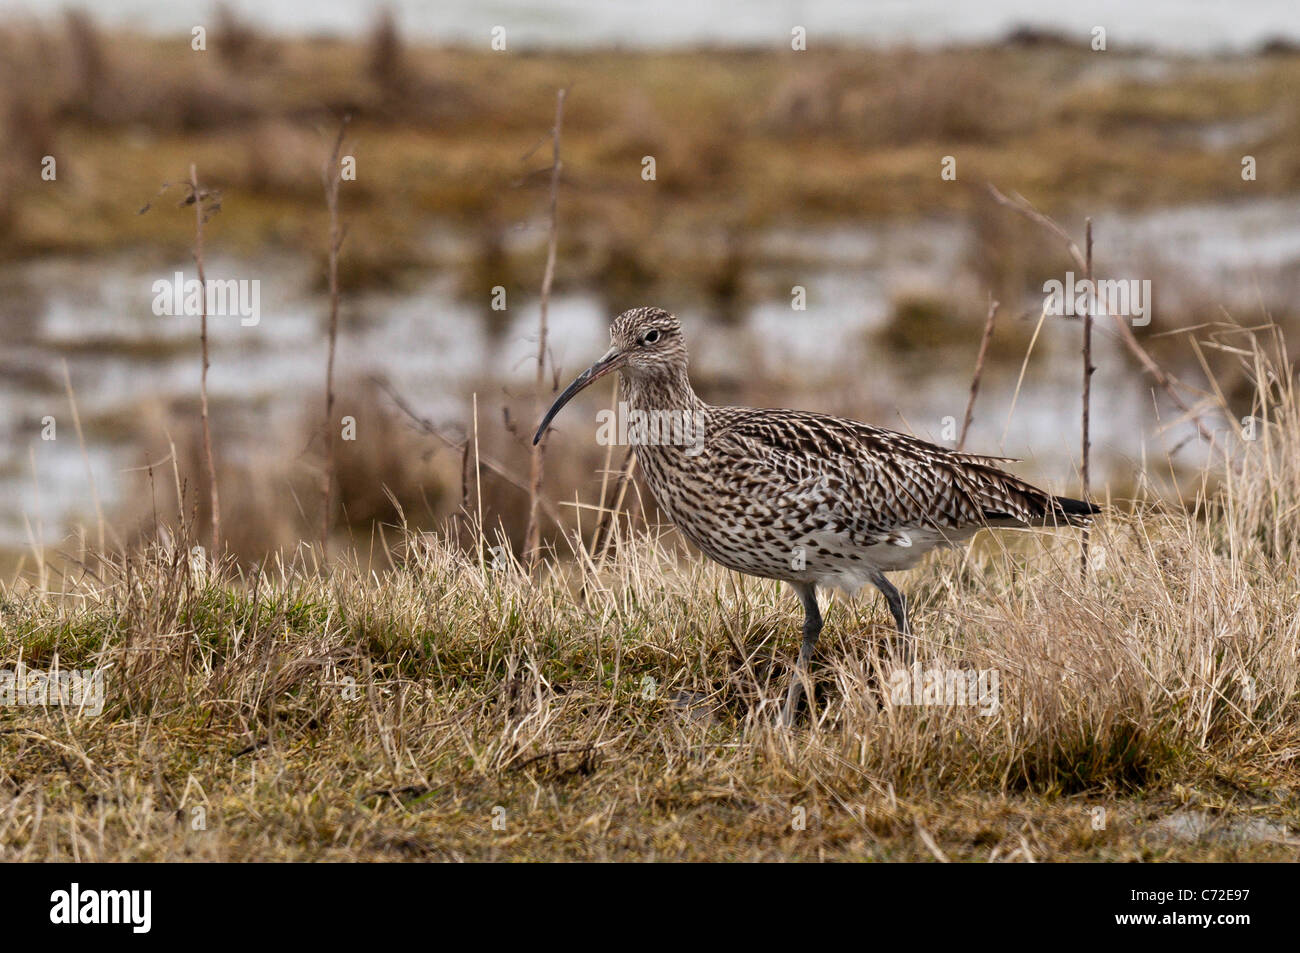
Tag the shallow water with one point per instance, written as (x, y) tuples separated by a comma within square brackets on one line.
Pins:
[(124, 360)]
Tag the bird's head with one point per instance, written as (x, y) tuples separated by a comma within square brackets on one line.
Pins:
[(644, 343), (650, 340)]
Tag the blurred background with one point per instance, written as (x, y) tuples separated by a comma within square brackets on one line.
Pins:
[(775, 168)]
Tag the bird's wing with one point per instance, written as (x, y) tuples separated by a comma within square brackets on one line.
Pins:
[(981, 458), (873, 482)]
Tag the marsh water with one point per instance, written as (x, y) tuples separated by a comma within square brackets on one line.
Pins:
[(125, 362)]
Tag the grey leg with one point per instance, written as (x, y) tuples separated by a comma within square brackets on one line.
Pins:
[(812, 627), (897, 606)]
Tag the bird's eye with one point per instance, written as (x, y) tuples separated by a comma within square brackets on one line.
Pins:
[(650, 337)]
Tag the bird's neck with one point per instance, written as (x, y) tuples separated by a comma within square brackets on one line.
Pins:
[(663, 392)]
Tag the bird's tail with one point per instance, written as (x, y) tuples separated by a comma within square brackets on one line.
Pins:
[(1072, 512), (1006, 500)]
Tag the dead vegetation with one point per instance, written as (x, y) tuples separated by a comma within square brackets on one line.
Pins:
[(398, 708), (815, 137)]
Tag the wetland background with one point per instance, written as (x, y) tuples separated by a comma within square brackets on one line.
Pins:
[(774, 168)]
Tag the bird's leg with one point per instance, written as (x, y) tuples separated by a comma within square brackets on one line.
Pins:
[(897, 606), (812, 627)]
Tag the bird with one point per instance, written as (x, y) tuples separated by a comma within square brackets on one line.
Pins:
[(805, 498)]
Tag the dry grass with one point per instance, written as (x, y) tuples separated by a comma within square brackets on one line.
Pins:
[(392, 711)]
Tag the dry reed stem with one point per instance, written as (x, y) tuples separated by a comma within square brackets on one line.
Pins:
[(1020, 380), (198, 197), (85, 455), (603, 536), (1088, 370), (532, 533), (979, 370), (331, 177)]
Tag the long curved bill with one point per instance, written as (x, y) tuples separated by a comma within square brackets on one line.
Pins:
[(612, 360)]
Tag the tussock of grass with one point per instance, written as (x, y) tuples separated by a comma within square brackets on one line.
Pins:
[(628, 710)]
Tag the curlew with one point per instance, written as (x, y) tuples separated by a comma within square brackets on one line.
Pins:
[(805, 498)]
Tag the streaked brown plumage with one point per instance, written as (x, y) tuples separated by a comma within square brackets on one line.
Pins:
[(802, 497)]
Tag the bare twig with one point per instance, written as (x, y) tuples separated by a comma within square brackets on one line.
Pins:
[(1022, 205), (464, 485), (331, 177), (433, 430), (198, 197), (979, 370), (532, 535), (1088, 370)]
